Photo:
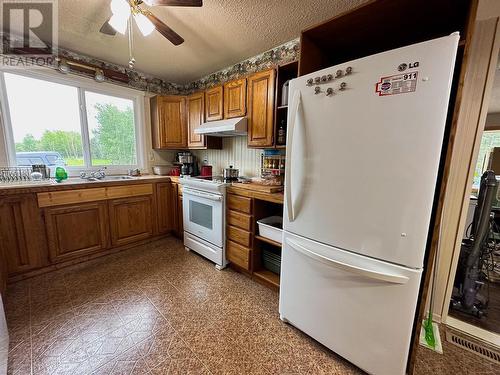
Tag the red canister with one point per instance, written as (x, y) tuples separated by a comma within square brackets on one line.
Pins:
[(175, 171), (206, 170)]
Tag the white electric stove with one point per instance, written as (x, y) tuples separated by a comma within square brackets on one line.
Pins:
[(204, 207)]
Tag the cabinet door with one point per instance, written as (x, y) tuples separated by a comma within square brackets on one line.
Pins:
[(22, 234), (168, 121), (261, 109), (196, 116), (214, 109), (180, 217), (166, 203), (235, 97), (130, 219), (76, 230)]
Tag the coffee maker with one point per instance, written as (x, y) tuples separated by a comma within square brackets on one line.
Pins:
[(189, 167)]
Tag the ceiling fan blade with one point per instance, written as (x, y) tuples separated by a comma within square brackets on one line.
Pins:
[(107, 29), (175, 3), (164, 30)]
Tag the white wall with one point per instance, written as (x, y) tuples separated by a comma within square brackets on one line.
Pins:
[(234, 152)]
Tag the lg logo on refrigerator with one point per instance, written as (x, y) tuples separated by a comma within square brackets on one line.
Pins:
[(402, 67)]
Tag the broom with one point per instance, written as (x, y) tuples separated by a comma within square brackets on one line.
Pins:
[(429, 333)]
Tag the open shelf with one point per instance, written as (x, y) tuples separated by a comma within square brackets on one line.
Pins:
[(267, 240), (284, 73), (268, 276)]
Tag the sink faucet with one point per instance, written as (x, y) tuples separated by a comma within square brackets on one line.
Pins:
[(97, 175)]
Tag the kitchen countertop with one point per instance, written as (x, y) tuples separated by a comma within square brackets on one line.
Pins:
[(72, 183), (263, 196)]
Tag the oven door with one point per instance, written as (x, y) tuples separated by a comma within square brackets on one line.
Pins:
[(203, 215)]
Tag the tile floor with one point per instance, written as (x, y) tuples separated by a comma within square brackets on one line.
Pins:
[(157, 309)]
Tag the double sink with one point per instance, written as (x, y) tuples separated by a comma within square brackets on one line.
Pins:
[(109, 178)]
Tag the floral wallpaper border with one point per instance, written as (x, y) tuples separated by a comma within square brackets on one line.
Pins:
[(282, 54)]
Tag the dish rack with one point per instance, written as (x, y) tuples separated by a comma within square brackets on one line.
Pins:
[(15, 174)]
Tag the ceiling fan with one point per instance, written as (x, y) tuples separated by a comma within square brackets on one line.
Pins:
[(123, 10)]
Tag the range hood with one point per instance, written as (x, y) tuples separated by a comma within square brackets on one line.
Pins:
[(231, 127)]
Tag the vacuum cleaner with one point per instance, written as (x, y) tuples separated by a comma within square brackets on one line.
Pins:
[(471, 277)]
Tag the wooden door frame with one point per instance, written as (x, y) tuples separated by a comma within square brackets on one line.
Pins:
[(469, 115), (488, 49)]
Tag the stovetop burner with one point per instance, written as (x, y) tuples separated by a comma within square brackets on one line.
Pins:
[(208, 183), (218, 179)]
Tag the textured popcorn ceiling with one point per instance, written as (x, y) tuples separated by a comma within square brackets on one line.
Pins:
[(219, 34)]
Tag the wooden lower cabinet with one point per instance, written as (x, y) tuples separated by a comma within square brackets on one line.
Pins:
[(239, 235), (21, 234), (238, 203), (166, 205), (180, 217), (238, 255), (130, 219), (76, 230)]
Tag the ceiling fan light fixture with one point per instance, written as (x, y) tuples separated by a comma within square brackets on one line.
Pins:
[(119, 23), (144, 24), (120, 8)]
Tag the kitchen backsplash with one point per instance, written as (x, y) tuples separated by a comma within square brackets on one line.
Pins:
[(236, 153)]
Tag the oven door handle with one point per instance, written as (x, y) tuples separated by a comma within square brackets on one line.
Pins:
[(196, 193)]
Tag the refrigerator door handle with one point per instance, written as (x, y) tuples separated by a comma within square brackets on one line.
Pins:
[(294, 112), (382, 276)]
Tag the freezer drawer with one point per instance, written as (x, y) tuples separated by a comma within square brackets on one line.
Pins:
[(361, 308)]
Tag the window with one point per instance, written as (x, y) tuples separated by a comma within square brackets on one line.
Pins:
[(490, 139), (64, 124)]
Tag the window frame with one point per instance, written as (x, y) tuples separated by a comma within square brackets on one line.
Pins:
[(83, 85)]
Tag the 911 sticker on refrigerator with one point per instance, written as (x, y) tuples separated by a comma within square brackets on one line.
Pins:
[(397, 84)]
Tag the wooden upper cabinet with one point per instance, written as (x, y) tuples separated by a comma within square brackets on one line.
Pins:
[(22, 235), (235, 98), (76, 230), (195, 117), (214, 109), (168, 122), (261, 109)]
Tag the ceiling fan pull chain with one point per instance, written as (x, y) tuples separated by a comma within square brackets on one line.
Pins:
[(131, 62)]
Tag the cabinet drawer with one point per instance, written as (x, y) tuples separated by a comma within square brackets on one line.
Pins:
[(239, 220), (243, 204), (239, 235), (238, 255), (60, 198)]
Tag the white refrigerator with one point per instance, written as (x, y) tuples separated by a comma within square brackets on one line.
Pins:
[(364, 146)]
